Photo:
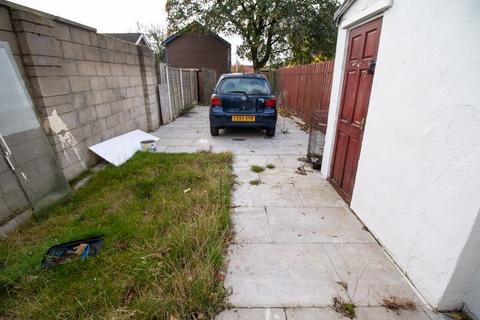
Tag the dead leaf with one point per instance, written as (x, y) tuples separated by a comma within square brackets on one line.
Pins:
[(187, 190)]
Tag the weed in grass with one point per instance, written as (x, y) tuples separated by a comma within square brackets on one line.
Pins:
[(162, 253), (270, 166), (255, 182), (344, 308), (257, 169), (397, 304)]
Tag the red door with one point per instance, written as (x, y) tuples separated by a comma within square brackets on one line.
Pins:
[(357, 84)]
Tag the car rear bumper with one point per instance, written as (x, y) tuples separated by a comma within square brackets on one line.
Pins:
[(220, 119)]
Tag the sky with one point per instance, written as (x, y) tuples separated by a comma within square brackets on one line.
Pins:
[(112, 16)]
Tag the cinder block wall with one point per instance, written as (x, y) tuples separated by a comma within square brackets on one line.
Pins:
[(86, 87)]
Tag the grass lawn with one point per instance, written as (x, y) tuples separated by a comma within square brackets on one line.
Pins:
[(163, 244)]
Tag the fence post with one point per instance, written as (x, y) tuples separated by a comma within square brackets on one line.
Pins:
[(181, 88), (169, 93)]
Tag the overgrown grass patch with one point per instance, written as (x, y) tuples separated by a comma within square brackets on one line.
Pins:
[(257, 169), (163, 248)]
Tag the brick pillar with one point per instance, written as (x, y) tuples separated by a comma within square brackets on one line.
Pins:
[(50, 90), (149, 84)]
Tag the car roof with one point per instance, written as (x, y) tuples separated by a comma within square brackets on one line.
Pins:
[(243, 75)]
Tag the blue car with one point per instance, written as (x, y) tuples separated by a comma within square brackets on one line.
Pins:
[(243, 100)]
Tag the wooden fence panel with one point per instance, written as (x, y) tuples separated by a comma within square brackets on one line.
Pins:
[(305, 89)]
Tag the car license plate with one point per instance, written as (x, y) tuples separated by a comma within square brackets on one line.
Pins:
[(243, 118)]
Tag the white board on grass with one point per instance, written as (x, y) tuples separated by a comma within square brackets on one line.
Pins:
[(119, 149)]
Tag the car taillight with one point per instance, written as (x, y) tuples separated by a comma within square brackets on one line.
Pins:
[(215, 100), (271, 103)]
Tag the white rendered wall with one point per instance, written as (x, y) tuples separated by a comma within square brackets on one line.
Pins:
[(418, 181)]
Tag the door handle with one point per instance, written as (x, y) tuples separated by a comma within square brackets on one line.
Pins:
[(362, 123)]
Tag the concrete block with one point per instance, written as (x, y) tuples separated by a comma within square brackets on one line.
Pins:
[(72, 50), (79, 35), (114, 120), (73, 170), (97, 83), (95, 137), (70, 68), (93, 39), (55, 101), (132, 59), (107, 134), (118, 106), (119, 57), (79, 84), (110, 42), (91, 53), (26, 26), (44, 71), (70, 119), (50, 86), (93, 97), (108, 95), (103, 110), (86, 68), (121, 46), (101, 42), (34, 60), (103, 68), (20, 14), (35, 44), (10, 37), (135, 81), (116, 69), (87, 114), (62, 31), (133, 49), (106, 55), (5, 22), (98, 125)]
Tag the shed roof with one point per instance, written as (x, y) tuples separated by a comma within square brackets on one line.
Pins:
[(194, 26), (133, 37)]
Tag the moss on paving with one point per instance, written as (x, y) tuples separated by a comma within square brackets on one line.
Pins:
[(162, 253)]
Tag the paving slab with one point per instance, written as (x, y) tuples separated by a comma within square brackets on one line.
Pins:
[(316, 225), (253, 314), (313, 314), (281, 275), (369, 273), (251, 226)]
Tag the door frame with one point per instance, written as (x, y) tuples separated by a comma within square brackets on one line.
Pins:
[(349, 27)]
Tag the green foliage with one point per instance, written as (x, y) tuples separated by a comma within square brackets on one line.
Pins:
[(273, 31), (270, 166), (255, 182), (257, 169), (155, 35), (163, 247)]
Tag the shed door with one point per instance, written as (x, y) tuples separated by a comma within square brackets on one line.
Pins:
[(357, 84)]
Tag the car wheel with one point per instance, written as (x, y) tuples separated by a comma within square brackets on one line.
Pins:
[(270, 132), (214, 131)]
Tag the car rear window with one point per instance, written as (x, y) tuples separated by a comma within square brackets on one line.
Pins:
[(254, 86)]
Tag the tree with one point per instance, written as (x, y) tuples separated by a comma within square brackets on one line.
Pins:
[(155, 34), (271, 30)]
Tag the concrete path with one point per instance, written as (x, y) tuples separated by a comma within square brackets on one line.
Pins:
[(297, 244)]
